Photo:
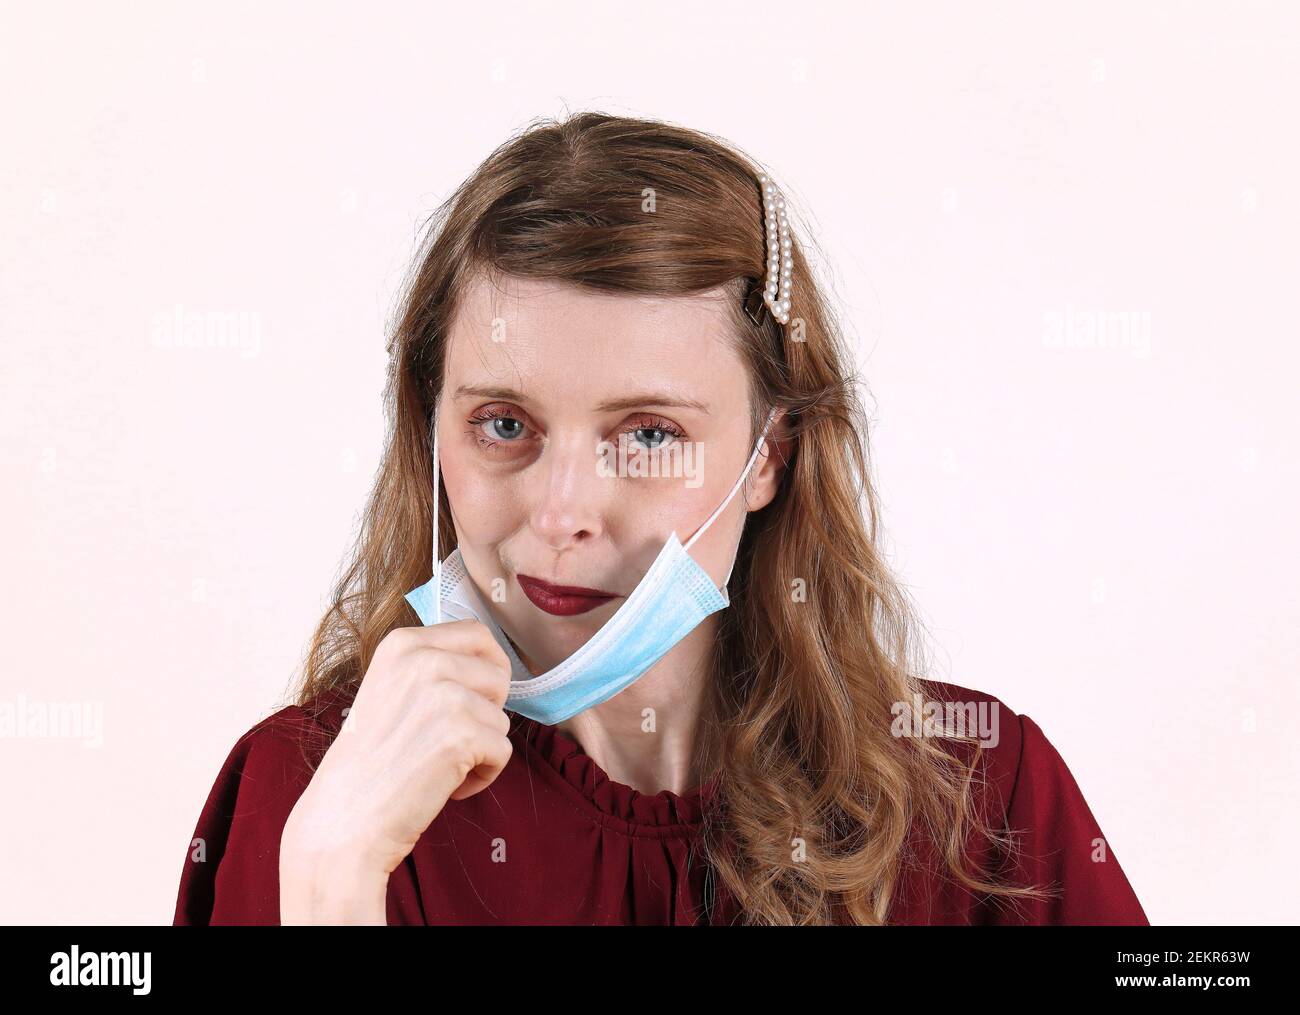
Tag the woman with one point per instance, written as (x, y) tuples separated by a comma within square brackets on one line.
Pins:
[(601, 357)]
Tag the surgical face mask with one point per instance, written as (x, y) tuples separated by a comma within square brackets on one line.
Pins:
[(675, 595)]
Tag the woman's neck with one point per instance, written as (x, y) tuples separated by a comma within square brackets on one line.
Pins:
[(648, 735)]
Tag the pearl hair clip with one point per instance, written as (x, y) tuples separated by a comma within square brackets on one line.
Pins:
[(780, 258)]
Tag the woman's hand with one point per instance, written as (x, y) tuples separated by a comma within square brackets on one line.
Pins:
[(427, 725)]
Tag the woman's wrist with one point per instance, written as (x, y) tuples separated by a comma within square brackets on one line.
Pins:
[(330, 888)]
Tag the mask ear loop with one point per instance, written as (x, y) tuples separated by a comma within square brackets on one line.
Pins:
[(727, 500), (437, 563)]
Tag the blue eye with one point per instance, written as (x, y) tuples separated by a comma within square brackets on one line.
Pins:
[(651, 436), (505, 428)]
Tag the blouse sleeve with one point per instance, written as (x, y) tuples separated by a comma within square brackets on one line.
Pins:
[(231, 872), (1060, 846)]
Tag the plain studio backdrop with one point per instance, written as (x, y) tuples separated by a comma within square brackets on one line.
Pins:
[(1062, 238)]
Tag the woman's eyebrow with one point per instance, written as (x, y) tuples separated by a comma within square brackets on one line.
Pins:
[(651, 398), (478, 391), (637, 401)]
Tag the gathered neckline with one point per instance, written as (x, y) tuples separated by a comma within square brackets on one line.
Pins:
[(619, 806), (660, 811)]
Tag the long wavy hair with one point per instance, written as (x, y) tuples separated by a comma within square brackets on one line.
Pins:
[(798, 724)]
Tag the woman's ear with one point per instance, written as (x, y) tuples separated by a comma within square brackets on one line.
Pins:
[(769, 470)]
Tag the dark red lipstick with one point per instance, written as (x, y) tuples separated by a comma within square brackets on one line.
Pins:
[(562, 600)]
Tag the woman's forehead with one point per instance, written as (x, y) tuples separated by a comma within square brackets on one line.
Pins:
[(548, 337)]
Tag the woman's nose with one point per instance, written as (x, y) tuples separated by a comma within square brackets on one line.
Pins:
[(571, 494)]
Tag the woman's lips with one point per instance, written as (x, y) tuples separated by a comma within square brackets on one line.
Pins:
[(562, 600)]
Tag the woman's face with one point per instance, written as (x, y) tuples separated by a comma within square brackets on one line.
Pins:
[(558, 406)]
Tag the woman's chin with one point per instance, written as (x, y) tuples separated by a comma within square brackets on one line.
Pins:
[(552, 649)]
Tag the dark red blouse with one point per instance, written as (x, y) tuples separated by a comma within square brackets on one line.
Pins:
[(555, 841)]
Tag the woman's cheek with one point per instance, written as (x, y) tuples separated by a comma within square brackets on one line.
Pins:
[(477, 502)]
